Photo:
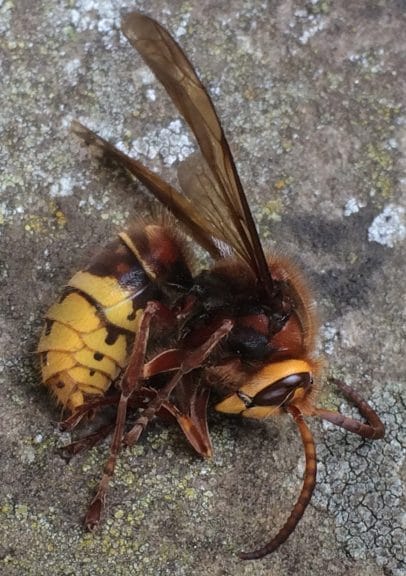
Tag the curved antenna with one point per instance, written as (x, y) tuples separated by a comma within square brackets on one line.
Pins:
[(309, 482)]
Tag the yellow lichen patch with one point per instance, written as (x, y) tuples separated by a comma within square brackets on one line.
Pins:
[(106, 290), (75, 311), (56, 362), (273, 209), (60, 337), (35, 223), (60, 218), (280, 184), (85, 377), (99, 341), (57, 213), (96, 361)]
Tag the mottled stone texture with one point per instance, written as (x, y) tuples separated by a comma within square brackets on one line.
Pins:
[(310, 95)]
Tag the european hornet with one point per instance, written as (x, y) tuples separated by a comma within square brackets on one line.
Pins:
[(137, 330)]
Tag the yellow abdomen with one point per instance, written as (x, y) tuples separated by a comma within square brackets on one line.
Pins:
[(87, 335)]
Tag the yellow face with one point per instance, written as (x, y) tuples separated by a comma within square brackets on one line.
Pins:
[(269, 389)]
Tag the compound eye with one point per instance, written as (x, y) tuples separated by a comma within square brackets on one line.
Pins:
[(280, 391)]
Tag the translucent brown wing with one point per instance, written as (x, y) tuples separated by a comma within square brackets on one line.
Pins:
[(197, 181), (182, 208), (223, 204)]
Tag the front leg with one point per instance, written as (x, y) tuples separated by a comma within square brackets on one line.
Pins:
[(192, 360), (374, 428), (130, 382)]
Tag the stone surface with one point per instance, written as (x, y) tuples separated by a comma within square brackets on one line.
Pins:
[(310, 94)]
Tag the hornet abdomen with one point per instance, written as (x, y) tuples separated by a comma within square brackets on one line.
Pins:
[(88, 333)]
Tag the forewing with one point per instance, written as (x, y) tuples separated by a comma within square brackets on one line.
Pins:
[(175, 72), (182, 208), (197, 181)]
